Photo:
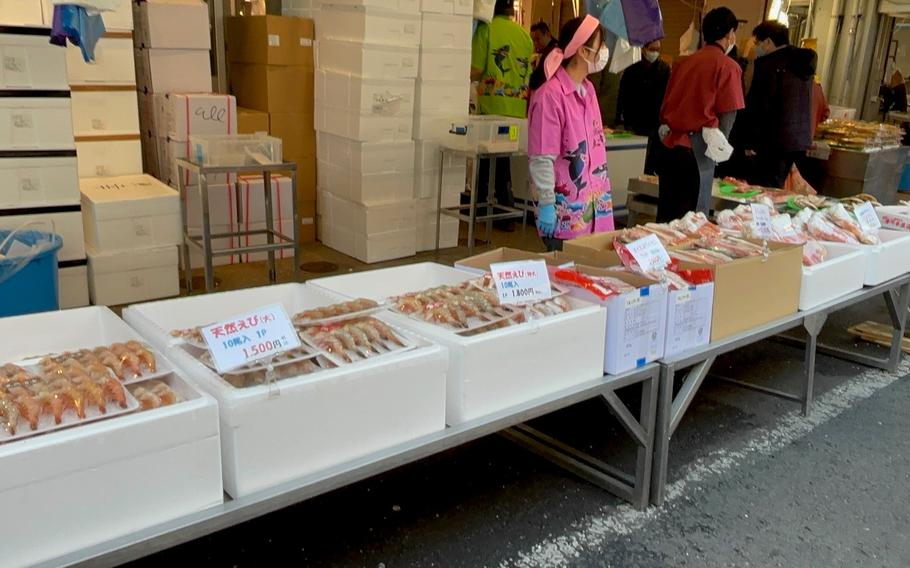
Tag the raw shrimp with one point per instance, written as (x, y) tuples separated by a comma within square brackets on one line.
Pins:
[(385, 331), (93, 392), (10, 413), (147, 399), (146, 357), (113, 390), (164, 392), (29, 406), (129, 359), (361, 338)]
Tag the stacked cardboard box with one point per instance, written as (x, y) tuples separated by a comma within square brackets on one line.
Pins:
[(367, 65), (271, 67)]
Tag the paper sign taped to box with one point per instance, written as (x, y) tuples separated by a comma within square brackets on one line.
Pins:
[(250, 337)]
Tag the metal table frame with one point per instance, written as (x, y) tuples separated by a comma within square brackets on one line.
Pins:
[(204, 242), (507, 421), (491, 206), (671, 409)]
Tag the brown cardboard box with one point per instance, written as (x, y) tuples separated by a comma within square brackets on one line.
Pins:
[(251, 121), (595, 250), (272, 40), (482, 262), (297, 132), (307, 221), (273, 88), (306, 177)]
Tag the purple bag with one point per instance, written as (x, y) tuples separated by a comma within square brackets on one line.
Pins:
[(643, 21)]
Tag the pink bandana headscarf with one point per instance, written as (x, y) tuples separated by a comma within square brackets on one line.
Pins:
[(557, 55)]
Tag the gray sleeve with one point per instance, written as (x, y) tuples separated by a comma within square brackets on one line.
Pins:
[(726, 122), (543, 176)]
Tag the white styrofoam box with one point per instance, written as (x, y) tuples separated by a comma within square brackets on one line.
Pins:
[(173, 24), (894, 217), (223, 202), (636, 324), (452, 32), (171, 150), (67, 224), (442, 64), (427, 156), (365, 172), (456, 7), (283, 226), (113, 63), (137, 275), (129, 212), (30, 62), (426, 185), (173, 70), (375, 61), (884, 261), (73, 286), (32, 182), (434, 97), (36, 123), (312, 422), (156, 465), (118, 19), (309, 13), (499, 369), (98, 158), (382, 97), (378, 247), (842, 272), (371, 219), (367, 25), (105, 112), (22, 13), (183, 115), (365, 128), (365, 189), (483, 10), (397, 6), (689, 315), (436, 127), (426, 227)]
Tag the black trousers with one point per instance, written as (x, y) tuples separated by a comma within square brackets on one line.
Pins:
[(772, 168), (679, 184), (552, 244), (503, 181)]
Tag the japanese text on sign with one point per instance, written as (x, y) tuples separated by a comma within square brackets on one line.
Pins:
[(649, 253), (250, 337), (867, 217), (522, 282), (761, 221)]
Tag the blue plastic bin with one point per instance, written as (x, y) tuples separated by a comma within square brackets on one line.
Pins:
[(32, 287), (904, 184)]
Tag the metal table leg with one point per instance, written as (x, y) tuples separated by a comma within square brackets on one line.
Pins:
[(491, 200), (442, 162), (813, 324), (297, 226), (184, 228), (270, 225), (472, 207), (206, 234), (238, 209)]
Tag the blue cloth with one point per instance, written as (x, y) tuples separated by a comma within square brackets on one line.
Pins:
[(79, 27), (613, 19)]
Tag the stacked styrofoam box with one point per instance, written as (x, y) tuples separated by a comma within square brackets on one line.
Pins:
[(443, 97), (38, 174), (367, 59), (300, 8)]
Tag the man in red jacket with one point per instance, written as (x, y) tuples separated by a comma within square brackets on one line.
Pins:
[(698, 112)]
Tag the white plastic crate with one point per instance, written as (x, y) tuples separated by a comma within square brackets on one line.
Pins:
[(442, 31), (444, 64), (365, 60), (841, 273), (368, 25)]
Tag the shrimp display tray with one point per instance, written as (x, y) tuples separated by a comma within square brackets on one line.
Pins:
[(884, 261), (498, 369), (842, 272), (275, 432), (163, 367), (156, 465)]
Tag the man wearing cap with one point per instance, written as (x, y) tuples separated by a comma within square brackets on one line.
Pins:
[(698, 112)]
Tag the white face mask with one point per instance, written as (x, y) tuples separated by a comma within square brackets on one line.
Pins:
[(600, 60), (652, 56), (729, 48)]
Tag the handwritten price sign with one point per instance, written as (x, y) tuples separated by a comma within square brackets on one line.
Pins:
[(522, 282), (867, 217), (250, 337), (649, 253), (761, 221)]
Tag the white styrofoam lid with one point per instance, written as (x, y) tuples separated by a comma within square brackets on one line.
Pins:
[(129, 196), (136, 259)]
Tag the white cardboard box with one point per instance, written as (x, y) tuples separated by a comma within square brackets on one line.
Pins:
[(22, 13), (444, 64), (435, 97), (98, 158), (689, 315), (173, 70), (313, 422), (129, 212), (894, 217), (136, 275), (33, 182), (884, 261), (443, 31), (113, 63), (109, 478), (36, 124), (67, 224), (455, 7), (30, 62), (841, 273), (105, 113), (368, 25), (172, 24), (365, 60), (73, 286), (499, 369), (179, 116)]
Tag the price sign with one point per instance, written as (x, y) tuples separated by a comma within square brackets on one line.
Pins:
[(522, 282), (761, 221), (649, 253), (250, 337), (867, 217)]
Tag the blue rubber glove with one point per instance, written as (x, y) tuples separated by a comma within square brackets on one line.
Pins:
[(546, 219)]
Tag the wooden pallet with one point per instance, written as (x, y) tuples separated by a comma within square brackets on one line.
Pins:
[(877, 333)]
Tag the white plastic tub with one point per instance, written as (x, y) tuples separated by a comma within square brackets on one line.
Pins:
[(841, 273), (884, 261)]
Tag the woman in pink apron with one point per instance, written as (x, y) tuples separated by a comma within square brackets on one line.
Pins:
[(566, 146)]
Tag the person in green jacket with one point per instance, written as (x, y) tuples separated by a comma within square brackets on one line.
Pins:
[(501, 62)]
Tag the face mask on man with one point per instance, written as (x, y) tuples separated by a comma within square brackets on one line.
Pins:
[(600, 60), (652, 56)]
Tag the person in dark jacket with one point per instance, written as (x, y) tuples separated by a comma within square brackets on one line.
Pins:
[(641, 94), (777, 122)]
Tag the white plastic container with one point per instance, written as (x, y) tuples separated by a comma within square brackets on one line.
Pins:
[(841, 273), (365, 60), (499, 369), (434, 97), (235, 150), (102, 158), (35, 182), (368, 25), (109, 478), (36, 124), (884, 261), (444, 64), (439, 31), (894, 217), (138, 275), (113, 63), (305, 425), (105, 113), (67, 224), (30, 62), (366, 173), (397, 6)]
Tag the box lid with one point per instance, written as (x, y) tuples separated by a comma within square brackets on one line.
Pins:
[(128, 196), (136, 259)]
